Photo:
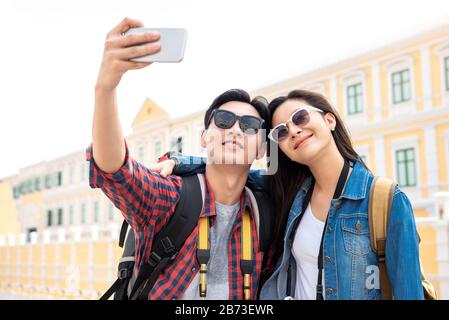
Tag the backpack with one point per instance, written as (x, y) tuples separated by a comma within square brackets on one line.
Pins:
[(168, 242), (380, 202)]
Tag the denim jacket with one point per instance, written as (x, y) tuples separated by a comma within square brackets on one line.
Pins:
[(350, 266)]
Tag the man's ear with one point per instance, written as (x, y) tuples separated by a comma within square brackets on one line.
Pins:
[(203, 138)]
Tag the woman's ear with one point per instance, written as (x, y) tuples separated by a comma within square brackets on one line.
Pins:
[(331, 121)]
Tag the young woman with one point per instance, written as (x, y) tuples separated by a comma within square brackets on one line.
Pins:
[(322, 189)]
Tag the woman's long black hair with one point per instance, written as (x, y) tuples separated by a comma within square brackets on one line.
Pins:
[(289, 177)]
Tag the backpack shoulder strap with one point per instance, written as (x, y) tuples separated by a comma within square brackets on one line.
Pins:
[(263, 216), (168, 242), (380, 202)]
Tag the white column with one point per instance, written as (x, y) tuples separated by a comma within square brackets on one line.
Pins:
[(431, 154), (442, 242), (90, 265), (22, 239), (18, 263), (8, 262), (47, 236), (75, 273), (43, 265), (110, 266), (333, 92), (61, 235), (59, 285), (33, 237), (30, 265), (379, 155), (376, 92), (11, 239), (427, 79)]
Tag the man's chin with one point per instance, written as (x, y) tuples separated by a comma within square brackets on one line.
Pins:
[(229, 160)]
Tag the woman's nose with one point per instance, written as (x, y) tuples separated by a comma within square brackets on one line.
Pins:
[(293, 128)]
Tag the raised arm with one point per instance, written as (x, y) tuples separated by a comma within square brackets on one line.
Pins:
[(143, 196), (109, 151)]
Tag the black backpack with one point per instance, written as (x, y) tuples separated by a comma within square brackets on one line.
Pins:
[(168, 242)]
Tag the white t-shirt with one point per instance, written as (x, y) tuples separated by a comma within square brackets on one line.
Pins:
[(305, 250)]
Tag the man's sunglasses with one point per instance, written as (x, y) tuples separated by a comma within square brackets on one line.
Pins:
[(225, 119), (300, 118)]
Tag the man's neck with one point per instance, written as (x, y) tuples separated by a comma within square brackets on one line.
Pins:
[(227, 181)]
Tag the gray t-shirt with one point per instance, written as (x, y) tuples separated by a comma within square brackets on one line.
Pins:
[(217, 268)]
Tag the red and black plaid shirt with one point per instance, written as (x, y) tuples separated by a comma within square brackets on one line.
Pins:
[(147, 201)]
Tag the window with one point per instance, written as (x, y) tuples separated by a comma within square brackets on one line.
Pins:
[(59, 178), (59, 222), (446, 72), (141, 153), (96, 212), (176, 144), (49, 218), (53, 180), (111, 211), (401, 86), (29, 186), (83, 172), (354, 98), (71, 174), (83, 213), (21, 188), (47, 181), (71, 215), (157, 150), (16, 192), (406, 167), (28, 234), (37, 184)]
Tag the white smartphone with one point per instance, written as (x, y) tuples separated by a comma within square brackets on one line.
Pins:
[(172, 41)]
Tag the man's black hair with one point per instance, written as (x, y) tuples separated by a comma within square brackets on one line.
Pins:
[(259, 103)]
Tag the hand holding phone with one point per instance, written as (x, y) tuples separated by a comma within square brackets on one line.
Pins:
[(119, 50), (172, 44)]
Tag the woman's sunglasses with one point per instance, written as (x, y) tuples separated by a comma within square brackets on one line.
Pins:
[(300, 118), (225, 119)]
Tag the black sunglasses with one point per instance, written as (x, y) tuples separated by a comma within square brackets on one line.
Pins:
[(225, 119)]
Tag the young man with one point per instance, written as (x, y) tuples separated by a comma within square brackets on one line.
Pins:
[(234, 131)]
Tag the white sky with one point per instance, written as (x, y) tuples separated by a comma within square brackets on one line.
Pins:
[(51, 52)]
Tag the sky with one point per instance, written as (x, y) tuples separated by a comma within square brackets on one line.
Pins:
[(51, 52)]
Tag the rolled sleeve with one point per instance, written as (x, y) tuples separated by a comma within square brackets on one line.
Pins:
[(145, 198), (98, 178)]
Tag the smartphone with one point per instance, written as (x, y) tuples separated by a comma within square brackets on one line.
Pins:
[(172, 41)]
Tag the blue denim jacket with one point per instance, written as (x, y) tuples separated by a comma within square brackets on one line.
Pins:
[(350, 266)]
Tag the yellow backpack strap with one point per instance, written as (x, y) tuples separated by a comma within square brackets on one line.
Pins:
[(203, 254), (247, 262), (380, 202)]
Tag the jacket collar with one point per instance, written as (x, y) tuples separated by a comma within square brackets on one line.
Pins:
[(356, 186)]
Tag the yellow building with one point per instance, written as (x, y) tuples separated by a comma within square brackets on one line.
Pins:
[(395, 101)]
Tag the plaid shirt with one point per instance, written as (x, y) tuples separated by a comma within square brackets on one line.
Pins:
[(147, 201)]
